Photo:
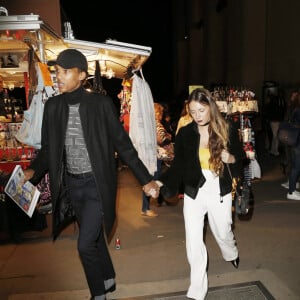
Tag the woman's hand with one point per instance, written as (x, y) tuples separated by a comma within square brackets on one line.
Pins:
[(227, 158)]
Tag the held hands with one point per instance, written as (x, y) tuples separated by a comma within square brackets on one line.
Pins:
[(151, 189), (227, 158)]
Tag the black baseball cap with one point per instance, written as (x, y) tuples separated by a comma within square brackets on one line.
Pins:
[(70, 58)]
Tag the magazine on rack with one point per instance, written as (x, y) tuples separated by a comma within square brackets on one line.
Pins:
[(24, 195)]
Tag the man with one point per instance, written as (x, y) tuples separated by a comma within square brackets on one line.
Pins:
[(80, 134)]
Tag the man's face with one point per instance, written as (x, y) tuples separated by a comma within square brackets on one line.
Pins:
[(68, 80)]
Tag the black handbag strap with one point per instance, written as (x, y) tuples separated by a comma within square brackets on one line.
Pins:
[(229, 171)]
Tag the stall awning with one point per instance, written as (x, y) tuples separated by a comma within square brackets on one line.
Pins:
[(114, 57), (20, 32)]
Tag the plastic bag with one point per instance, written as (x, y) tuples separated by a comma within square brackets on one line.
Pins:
[(255, 169), (30, 130)]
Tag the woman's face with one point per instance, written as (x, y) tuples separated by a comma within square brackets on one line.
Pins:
[(199, 112)]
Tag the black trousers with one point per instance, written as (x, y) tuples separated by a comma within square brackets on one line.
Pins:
[(92, 243)]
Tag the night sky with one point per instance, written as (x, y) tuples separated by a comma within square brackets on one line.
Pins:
[(134, 22)]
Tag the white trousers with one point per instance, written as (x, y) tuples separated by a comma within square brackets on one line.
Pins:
[(208, 201)]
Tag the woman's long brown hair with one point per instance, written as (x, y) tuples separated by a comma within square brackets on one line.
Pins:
[(217, 129)]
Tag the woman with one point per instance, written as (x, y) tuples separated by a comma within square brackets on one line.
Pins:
[(203, 148), (164, 138), (185, 117), (165, 148)]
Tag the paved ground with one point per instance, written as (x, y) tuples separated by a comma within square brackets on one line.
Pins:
[(249, 290), (152, 257)]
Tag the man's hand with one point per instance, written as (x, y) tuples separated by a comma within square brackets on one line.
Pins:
[(28, 174), (151, 189)]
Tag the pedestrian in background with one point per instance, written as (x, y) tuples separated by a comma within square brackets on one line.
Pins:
[(275, 109), (185, 117), (203, 151), (294, 174), (164, 143), (80, 134), (286, 160), (164, 139)]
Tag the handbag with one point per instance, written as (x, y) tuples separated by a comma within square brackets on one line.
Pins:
[(166, 152), (241, 195), (242, 199), (288, 134)]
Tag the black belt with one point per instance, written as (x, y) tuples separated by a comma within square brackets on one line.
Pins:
[(80, 176)]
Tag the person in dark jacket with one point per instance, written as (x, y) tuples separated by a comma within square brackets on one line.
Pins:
[(204, 150), (81, 133), (275, 111), (294, 175)]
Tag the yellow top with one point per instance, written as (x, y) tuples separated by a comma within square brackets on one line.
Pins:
[(204, 156)]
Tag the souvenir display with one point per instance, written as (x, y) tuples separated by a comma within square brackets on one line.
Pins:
[(240, 106)]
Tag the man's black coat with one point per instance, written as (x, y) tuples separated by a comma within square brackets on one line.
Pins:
[(104, 136)]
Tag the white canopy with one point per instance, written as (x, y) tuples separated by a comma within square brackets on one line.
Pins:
[(18, 33)]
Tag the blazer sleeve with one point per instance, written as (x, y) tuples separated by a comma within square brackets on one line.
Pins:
[(172, 177), (124, 146), (40, 163), (236, 149)]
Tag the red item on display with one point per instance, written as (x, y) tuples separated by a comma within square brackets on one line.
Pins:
[(8, 167)]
